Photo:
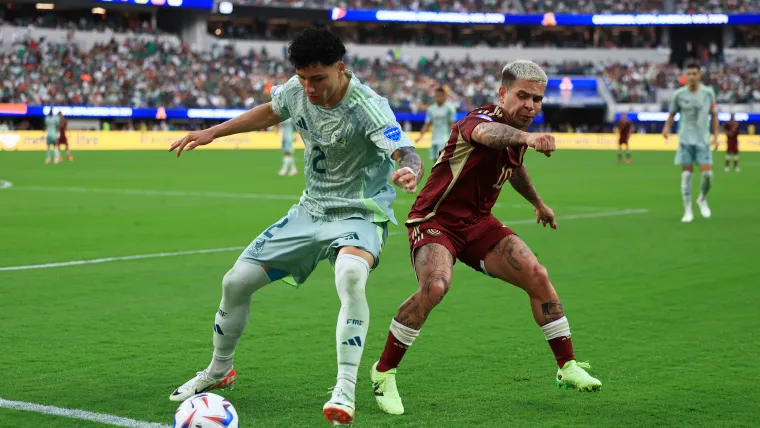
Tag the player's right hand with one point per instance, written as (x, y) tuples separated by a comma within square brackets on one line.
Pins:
[(543, 143), (666, 133), (193, 140)]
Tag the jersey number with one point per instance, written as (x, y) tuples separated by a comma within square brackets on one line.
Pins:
[(279, 225), (320, 156), (503, 177)]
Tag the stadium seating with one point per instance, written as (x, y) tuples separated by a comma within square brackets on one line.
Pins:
[(146, 73)]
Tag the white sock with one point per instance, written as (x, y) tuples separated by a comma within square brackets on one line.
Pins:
[(557, 328), (403, 333), (705, 183), (57, 152), (292, 162), (686, 190), (351, 274), (238, 286), (47, 153), (285, 162)]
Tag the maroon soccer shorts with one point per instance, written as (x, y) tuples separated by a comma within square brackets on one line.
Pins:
[(467, 242)]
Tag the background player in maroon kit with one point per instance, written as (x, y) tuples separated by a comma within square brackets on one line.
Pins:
[(625, 129), (732, 143), (62, 140), (451, 219)]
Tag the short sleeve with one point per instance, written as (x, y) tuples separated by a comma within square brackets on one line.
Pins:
[(674, 103), (468, 124), (280, 97), (453, 117), (428, 113), (381, 126)]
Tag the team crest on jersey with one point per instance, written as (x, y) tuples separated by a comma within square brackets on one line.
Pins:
[(257, 246), (434, 232), (393, 134), (275, 90)]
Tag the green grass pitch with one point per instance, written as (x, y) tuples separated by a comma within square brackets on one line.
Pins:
[(667, 313)]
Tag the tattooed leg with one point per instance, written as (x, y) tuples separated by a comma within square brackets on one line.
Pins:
[(512, 261), (433, 265)]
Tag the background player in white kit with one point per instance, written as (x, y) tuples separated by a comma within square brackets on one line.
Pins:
[(441, 115), (351, 139), (696, 103), (287, 132)]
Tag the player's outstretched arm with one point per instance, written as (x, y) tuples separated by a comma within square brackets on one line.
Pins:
[(501, 136), (410, 171), (260, 117), (520, 181)]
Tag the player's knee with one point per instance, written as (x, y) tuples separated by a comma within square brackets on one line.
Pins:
[(435, 289), (351, 277), (243, 280), (538, 281)]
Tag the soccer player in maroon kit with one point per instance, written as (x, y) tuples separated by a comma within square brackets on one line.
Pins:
[(625, 129), (732, 143), (451, 219), (62, 140)]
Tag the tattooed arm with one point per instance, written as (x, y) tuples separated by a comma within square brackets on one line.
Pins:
[(407, 160), (501, 136), (498, 135), (520, 181)]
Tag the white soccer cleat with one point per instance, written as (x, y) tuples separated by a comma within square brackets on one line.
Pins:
[(687, 217), (727, 169), (704, 209), (341, 408), (293, 172), (737, 169), (282, 172), (203, 382)]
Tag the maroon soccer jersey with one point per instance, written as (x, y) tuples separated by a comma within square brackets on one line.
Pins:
[(625, 129), (732, 137), (467, 178)]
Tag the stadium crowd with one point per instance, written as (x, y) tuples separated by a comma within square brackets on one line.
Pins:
[(529, 6), (150, 74)]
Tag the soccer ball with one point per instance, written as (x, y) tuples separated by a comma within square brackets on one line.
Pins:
[(206, 411)]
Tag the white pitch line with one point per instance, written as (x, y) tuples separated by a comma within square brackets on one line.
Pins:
[(117, 259), (238, 248), (182, 193), (160, 192), (568, 217), (78, 414)]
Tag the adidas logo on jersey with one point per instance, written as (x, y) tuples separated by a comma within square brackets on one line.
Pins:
[(301, 123), (355, 341)]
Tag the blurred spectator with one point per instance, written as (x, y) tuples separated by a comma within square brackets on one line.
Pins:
[(150, 74)]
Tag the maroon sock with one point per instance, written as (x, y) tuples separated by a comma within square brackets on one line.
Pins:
[(563, 349), (392, 354)]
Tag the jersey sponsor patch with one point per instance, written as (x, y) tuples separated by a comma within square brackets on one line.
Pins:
[(275, 90), (486, 117), (393, 134)]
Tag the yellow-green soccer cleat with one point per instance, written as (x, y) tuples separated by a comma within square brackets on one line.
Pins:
[(573, 375), (386, 393)]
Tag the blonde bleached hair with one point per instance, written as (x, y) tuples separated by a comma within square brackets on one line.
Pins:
[(522, 69)]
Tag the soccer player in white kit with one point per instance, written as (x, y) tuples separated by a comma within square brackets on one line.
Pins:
[(352, 140), (441, 115)]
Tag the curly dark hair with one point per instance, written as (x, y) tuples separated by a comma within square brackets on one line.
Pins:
[(315, 46)]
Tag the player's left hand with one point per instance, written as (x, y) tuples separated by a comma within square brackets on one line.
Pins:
[(545, 215), (405, 179)]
